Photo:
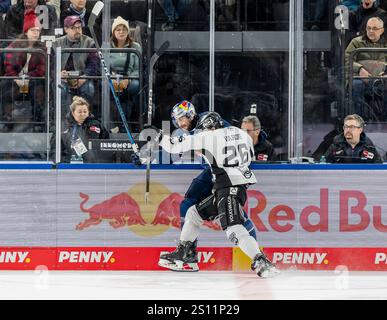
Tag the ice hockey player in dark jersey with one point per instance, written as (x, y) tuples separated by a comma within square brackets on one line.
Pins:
[(229, 151), (185, 118)]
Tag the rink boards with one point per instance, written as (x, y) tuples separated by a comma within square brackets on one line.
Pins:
[(312, 218)]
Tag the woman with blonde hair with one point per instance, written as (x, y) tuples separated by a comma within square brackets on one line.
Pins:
[(124, 64), (81, 126)]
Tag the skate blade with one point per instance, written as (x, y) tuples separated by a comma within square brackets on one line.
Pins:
[(179, 266), (185, 267), (271, 273), (166, 264)]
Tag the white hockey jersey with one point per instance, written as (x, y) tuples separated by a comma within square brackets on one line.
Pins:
[(229, 151)]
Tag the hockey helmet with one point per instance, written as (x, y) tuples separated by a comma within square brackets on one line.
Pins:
[(182, 109), (211, 120)]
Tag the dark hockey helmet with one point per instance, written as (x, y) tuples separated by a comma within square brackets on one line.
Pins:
[(211, 120)]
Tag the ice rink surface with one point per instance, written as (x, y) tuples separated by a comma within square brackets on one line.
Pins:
[(214, 285)]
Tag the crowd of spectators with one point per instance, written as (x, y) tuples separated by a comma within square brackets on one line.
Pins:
[(24, 22)]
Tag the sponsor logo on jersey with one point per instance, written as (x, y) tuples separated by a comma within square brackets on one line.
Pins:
[(300, 258), (230, 210), (14, 257), (95, 129), (247, 174), (338, 152), (368, 155), (262, 157), (233, 137), (85, 256), (233, 191)]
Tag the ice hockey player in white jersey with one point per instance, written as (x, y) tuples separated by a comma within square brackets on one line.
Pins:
[(229, 152)]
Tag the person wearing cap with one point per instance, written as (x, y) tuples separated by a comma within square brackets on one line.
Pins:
[(25, 64), (77, 64), (13, 24), (82, 9), (126, 65)]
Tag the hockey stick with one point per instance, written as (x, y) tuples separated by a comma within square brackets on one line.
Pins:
[(152, 63), (97, 9)]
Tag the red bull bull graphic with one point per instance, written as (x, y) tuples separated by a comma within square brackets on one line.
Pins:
[(121, 210), (124, 210), (168, 212)]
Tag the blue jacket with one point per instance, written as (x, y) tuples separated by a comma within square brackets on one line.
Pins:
[(4, 5)]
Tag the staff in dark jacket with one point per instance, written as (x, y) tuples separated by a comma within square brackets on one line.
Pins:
[(263, 149), (359, 17), (81, 127), (352, 146)]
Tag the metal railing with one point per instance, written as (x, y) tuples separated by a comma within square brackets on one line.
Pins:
[(350, 77), (12, 146), (105, 108)]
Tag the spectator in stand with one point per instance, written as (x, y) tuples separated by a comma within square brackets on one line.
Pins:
[(4, 5), (82, 9), (352, 5), (367, 64), (352, 146), (20, 9), (358, 18), (76, 65), (173, 12), (263, 149), (123, 64), (80, 127), (56, 5), (25, 65)]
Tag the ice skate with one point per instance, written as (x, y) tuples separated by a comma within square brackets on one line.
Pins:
[(184, 258), (263, 267)]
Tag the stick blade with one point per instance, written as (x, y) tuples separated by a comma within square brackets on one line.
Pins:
[(163, 48), (97, 9)]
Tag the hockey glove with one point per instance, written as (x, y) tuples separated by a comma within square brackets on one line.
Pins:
[(136, 160)]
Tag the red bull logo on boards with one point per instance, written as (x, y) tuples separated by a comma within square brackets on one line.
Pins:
[(161, 213)]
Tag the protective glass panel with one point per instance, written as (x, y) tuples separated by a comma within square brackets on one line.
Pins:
[(251, 72)]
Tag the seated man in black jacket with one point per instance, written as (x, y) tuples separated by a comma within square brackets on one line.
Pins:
[(263, 149), (352, 146)]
